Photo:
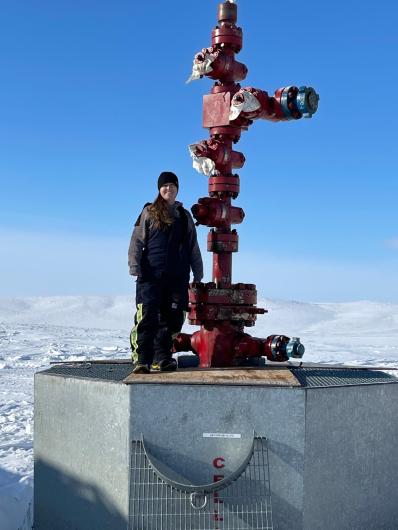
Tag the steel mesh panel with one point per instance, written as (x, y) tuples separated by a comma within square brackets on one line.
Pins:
[(323, 377), (243, 505), (107, 372), (308, 377)]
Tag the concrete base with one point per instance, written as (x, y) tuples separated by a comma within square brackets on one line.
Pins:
[(332, 445)]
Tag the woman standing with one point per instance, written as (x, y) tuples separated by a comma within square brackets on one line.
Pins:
[(163, 249)]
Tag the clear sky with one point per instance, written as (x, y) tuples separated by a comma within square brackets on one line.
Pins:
[(94, 105)]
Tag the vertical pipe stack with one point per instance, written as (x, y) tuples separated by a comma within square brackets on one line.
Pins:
[(221, 308)]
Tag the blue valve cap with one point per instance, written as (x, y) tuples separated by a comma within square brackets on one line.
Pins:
[(307, 101)]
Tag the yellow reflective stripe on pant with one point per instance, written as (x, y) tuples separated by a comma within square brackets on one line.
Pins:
[(134, 333)]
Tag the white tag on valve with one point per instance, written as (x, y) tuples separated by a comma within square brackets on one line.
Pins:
[(200, 163), (202, 68), (249, 104)]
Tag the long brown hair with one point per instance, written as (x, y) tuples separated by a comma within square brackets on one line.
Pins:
[(159, 213)]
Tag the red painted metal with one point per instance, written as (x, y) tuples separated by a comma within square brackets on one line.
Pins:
[(218, 213), (224, 65), (223, 309), (224, 184), (216, 109), (221, 153)]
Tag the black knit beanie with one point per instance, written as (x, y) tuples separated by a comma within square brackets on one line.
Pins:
[(166, 177)]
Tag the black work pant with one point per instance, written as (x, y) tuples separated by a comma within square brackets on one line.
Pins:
[(161, 306)]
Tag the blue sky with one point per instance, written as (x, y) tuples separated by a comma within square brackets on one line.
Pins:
[(94, 105)]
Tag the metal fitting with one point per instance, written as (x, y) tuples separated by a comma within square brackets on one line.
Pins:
[(217, 213), (307, 101), (294, 348), (298, 102)]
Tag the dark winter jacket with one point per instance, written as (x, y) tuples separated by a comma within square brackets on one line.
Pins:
[(154, 253)]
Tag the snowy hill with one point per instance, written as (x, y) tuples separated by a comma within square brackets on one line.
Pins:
[(36, 331), (116, 312), (104, 312)]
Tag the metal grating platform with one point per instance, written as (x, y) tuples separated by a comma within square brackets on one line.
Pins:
[(306, 377), (243, 505), (115, 372), (324, 377)]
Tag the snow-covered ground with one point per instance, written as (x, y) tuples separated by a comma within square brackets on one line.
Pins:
[(37, 331)]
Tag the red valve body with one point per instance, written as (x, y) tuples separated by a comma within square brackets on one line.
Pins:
[(215, 212)]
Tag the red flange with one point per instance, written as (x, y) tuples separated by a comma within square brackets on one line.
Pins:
[(222, 185), (222, 241)]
